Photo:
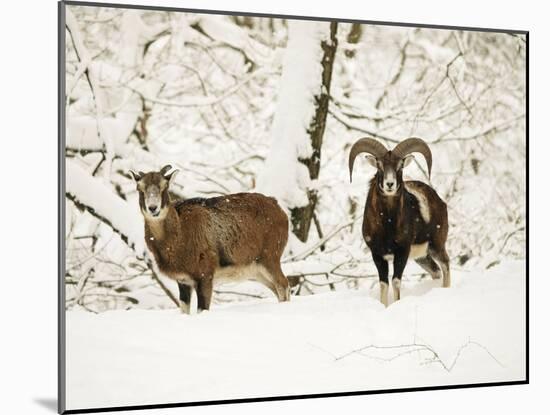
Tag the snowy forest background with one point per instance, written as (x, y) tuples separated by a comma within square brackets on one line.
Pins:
[(273, 105)]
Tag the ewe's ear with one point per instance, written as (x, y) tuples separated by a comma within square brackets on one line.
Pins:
[(136, 176), (372, 161), (407, 160), (170, 177), (165, 170)]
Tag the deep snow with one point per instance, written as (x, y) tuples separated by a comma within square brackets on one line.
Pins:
[(261, 348)]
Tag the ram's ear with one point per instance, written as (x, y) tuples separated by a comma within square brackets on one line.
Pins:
[(372, 160), (136, 176), (407, 160), (170, 177)]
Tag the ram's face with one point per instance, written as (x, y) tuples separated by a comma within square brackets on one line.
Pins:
[(389, 176), (153, 192)]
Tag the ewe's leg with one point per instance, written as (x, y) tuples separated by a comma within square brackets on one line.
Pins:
[(274, 274), (270, 261), (185, 297), (266, 279), (204, 292), (283, 287), (382, 267)]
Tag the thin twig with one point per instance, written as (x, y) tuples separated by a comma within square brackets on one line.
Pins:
[(304, 254), (416, 347)]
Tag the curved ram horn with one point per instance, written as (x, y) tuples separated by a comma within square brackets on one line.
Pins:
[(165, 169), (414, 145), (365, 145)]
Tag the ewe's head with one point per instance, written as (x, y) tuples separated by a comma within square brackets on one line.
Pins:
[(389, 163), (153, 191)]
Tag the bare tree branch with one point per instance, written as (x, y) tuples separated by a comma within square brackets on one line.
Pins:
[(124, 238), (86, 60)]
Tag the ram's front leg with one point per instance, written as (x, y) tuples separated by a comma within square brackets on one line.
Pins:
[(382, 267), (400, 258)]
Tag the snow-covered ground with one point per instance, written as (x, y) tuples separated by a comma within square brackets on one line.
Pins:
[(262, 348)]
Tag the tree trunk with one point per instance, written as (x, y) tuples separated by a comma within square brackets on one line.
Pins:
[(353, 37), (301, 217)]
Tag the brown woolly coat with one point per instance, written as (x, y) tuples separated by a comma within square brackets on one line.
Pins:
[(198, 236), (392, 222)]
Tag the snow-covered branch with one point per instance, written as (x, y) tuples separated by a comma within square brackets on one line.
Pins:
[(88, 68), (82, 187)]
